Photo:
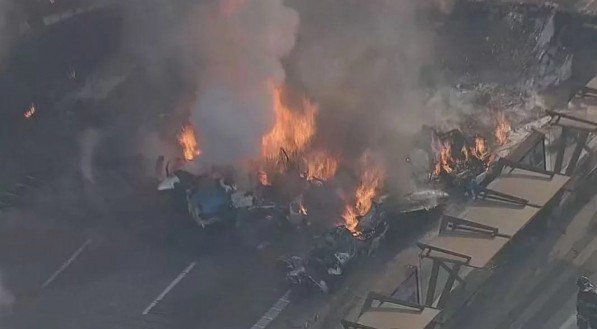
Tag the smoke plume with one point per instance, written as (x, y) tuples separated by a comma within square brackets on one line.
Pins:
[(241, 44), (362, 61)]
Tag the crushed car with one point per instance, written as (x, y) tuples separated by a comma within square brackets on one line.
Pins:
[(333, 252)]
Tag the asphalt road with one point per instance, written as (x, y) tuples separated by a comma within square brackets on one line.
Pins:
[(125, 261), (142, 267), (107, 255)]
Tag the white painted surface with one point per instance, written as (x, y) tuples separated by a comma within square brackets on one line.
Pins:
[(66, 264), (273, 312), (172, 284)]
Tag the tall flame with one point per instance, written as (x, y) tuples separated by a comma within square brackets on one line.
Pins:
[(372, 176), (320, 165), (480, 150), (502, 129), (188, 143), (444, 161), (292, 130)]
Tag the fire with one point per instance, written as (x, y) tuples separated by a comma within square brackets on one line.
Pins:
[(471, 155), (350, 219), (480, 150), (30, 111), (445, 162), (320, 165), (502, 129), (292, 130), (188, 142), (370, 185)]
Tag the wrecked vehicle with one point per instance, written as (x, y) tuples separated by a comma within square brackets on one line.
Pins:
[(207, 198), (211, 198), (333, 252)]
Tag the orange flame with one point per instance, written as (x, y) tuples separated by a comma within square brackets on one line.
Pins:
[(502, 129), (30, 111), (188, 142), (321, 165), (480, 150), (292, 130), (370, 185), (444, 162)]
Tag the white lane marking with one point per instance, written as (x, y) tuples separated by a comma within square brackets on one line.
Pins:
[(66, 263), (570, 323), (169, 287), (273, 312)]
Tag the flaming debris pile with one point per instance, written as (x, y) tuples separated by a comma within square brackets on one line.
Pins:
[(371, 183), (288, 145), (188, 143), (320, 165), (457, 156), (292, 130)]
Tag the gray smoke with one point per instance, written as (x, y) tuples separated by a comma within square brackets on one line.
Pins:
[(362, 62), (241, 44)]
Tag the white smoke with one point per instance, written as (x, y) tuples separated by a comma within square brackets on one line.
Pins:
[(366, 59), (241, 44)]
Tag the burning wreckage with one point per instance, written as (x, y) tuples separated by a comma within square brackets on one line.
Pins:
[(460, 164), (335, 250), (213, 198), (291, 171)]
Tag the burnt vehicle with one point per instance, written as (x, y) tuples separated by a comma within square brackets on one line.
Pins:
[(208, 198), (334, 251), (212, 198)]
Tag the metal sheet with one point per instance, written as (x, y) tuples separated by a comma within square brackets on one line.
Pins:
[(480, 247), (398, 318), (580, 125), (507, 218), (538, 188)]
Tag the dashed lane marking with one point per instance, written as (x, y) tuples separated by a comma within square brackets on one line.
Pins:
[(169, 287), (66, 264), (273, 312)]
